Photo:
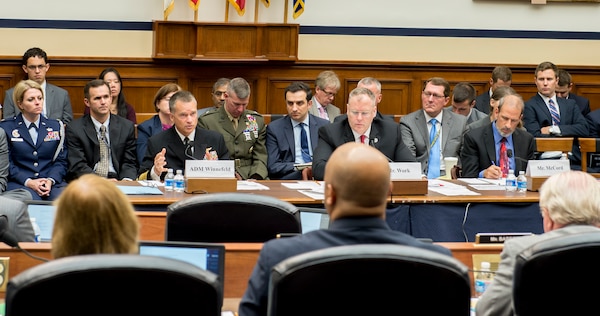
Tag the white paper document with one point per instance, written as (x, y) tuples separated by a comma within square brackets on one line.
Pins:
[(303, 185), (243, 185), (448, 188)]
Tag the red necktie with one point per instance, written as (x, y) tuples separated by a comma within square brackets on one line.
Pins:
[(362, 138), (503, 157)]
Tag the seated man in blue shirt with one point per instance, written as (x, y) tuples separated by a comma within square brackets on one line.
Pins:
[(482, 155)]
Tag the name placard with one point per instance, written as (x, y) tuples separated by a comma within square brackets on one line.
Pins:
[(546, 168), (405, 170), (209, 169)]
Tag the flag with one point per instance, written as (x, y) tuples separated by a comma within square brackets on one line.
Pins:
[(239, 5), (298, 8), (194, 4), (168, 7), (267, 3)]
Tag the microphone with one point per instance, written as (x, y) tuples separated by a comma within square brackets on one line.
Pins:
[(188, 148), (10, 239), (375, 140), (510, 154), (6, 236)]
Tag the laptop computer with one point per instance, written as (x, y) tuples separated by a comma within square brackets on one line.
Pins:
[(313, 218), (43, 212), (207, 256)]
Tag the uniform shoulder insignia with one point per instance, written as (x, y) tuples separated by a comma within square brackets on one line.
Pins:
[(254, 113)]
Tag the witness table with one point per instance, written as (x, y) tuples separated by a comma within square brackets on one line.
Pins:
[(435, 216)]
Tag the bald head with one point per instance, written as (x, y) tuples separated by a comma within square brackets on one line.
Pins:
[(357, 181)]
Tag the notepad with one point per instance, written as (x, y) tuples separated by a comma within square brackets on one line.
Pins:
[(139, 190)]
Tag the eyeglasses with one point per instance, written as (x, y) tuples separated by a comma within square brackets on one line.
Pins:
[(435, 96), (36, 67), (327, 93)]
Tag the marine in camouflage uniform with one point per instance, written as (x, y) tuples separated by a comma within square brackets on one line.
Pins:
[(246, 144)]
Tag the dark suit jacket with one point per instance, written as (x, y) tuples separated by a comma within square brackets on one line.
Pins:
[(281, 147), (145, 130), (479, 150), (582, 102), (482, 102), (537, 115), (385, 135), (344, 231), (58, 104), (593, 120), (84, 149), (176, 155)]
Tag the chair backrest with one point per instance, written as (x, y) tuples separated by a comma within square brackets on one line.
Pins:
[(114, 285), (586, 146), (563, 144), (369, 280), (230, 217), (552, 277)]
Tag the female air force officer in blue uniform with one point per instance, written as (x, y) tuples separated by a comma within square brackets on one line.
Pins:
[(37, 153)]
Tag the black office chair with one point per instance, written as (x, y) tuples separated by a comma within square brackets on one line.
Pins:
[(370, 280), (114, 285), (230, 217), (554, 276)]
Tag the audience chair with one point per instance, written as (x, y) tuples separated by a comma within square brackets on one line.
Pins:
[(381, 279), (557, 276), (114, 285), (230, 217), (587, 146), (562, 144)]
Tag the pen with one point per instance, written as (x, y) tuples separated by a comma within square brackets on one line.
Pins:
[(493, 163)]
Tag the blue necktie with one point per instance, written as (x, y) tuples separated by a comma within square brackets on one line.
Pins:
[(434, 152), (554, 113), (304, 144)]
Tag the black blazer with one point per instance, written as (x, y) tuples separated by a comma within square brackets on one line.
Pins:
[(176, 155), (479, 150), (482, 102), (537, 115), (84, 149), (385, 135)]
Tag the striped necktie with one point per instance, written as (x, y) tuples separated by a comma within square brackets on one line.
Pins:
[(554, 112)]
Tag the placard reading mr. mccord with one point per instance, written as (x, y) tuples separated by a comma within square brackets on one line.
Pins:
[(546, 168), (209, 169)]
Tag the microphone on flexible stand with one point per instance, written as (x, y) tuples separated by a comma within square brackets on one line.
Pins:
[(7, 237), (375, 140), (188, 148)]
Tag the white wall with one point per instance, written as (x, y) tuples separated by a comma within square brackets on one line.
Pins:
[(518, 15)]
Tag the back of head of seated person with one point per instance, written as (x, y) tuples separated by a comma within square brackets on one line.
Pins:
[(92, 217), (570, 204), (357, 186), (357, 182)]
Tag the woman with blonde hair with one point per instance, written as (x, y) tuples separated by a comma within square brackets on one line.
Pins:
[(93, 216)]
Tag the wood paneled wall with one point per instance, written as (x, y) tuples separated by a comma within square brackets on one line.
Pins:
[(402, 82)]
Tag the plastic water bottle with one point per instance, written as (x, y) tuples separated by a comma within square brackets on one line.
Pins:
[(511, 181), (37, 232), (179, 182), (169, 180), (483, 278), (522, 182)]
